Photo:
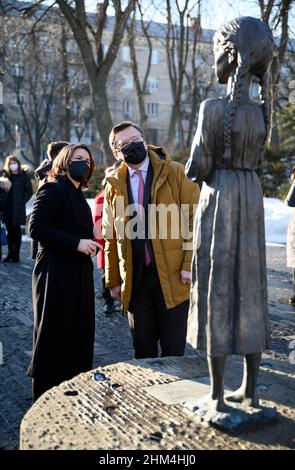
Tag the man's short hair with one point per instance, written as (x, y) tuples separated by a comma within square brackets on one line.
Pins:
[(53, 148), (120, 127)]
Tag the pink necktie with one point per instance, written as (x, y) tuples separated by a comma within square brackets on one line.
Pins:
[(147, 258)]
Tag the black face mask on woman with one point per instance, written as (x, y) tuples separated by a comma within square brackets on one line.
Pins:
[(134, 153), (79, 170)]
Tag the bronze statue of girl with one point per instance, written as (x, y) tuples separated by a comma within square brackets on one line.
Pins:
[(228, 313)]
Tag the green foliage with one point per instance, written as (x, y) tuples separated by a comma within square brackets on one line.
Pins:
[(181, 155), (286, 121), (276, 175), (35, 184)]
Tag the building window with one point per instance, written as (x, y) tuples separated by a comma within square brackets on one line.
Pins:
[(43, 39), (2, 128), (71, 46), (152, 84), (127, 108), (87, 136), (100, 157), (105, 49), (74, 108), (18, 70), (255, 89), (128, 82), (19, 100), (155, 57), (152, 136), (152, 109), (199, 60), (126, 54), (202, 89)]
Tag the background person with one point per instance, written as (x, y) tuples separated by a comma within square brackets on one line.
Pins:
[(290, 200), (5, 186), (53, 149), (110, 305), (15, 205)]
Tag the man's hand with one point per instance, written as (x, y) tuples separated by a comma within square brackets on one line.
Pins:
[(116, 292), (185, 277), (88, 247)]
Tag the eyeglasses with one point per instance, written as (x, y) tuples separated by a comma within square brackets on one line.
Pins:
[(119, 147)]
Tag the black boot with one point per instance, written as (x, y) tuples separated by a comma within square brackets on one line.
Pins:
[(15, 255), (8, 258), (15, 258), (292, 299), (108, 309)]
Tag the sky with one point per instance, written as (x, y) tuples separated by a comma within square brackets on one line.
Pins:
[(213, 12)]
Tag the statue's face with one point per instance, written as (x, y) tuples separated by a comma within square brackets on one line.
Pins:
[(224, 64)]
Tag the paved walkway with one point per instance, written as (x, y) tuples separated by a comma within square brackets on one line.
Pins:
[(112, 344)]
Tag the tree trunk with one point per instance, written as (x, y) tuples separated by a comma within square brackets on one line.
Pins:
[(103, 118), (172, 125), (66, 123)]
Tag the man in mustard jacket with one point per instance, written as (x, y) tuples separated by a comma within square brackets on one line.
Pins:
[(147, 224)]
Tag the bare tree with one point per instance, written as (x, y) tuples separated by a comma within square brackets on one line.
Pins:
[(88, 37), (67, 92), (177, 48), (276, 14), (199, 77), (140, 86), (33, 85)]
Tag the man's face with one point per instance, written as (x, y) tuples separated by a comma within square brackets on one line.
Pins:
[(124, 138)]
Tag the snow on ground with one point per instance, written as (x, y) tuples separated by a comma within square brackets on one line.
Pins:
[(276, 213)]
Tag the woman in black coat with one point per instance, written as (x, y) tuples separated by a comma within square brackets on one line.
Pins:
[(5, 186), (15, 205), (63, 290)]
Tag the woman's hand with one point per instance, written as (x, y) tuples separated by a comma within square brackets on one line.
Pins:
[(88, 247)]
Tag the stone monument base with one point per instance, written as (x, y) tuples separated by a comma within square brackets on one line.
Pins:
[(235, 418)]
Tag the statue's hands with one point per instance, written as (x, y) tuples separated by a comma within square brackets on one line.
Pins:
[(185, 277)]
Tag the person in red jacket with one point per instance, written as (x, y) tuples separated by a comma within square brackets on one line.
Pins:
[(109, 301)]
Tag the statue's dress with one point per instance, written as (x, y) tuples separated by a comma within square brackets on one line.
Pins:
[(228, 311)]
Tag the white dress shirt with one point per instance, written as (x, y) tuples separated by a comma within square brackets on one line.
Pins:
[(134, 178)]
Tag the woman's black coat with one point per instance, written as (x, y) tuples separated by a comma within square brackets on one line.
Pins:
[(19, 194), (3, 195), (63, 291)]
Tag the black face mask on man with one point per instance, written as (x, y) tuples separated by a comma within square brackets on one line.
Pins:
[(134, 153), (79, 170)]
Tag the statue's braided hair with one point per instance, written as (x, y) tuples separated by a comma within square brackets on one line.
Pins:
[(265, 102), (252, 57), (233, 102)]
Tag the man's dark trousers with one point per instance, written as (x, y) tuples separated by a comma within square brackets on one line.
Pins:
[(151, 322)]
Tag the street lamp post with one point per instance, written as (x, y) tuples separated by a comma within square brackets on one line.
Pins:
[(17, 142), (18, 77)]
